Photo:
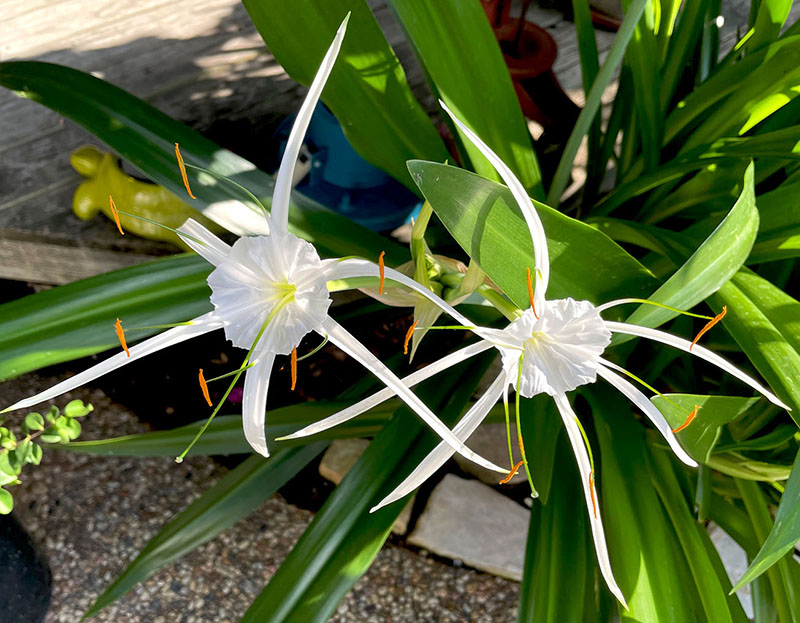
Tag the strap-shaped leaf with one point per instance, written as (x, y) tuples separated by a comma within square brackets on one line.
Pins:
[(784, 534), (367, 90), (485, 220), (711, 265), (77, 319), (224, 435), (145, 137), (345, 537), (234, 497), (463, 62), (763, 321)]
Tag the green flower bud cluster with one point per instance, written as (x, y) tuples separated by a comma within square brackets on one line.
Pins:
[(56, 427)]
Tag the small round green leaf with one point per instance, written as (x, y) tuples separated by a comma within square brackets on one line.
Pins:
[(6, 502)]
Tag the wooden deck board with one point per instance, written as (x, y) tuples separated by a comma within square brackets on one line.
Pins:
[(202, 62)]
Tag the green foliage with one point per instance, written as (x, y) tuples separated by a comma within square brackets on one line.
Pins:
[(703, 206), (16, 451)]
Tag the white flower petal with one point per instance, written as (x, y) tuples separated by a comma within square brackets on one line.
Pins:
[(281, 279), (342, 338), (238, 218), (372, 401), (523, 200), (254, 404), (632, 393), (610, 304), (283, 183), (442, 453), (199, 326), (590, 493), (203, 242), (363, 268), (697, 350)]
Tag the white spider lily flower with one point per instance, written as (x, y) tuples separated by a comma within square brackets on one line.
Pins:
[(269, 291), (553, 348)]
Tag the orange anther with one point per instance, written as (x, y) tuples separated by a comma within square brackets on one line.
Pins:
[(204, 388), (710, 325), (689, 419), (381, 268), (115, 214), (183, 170), (521, 445), (530, 291), (121, 336), (591, 490), (294, 367), (409, 333), (512, 473)]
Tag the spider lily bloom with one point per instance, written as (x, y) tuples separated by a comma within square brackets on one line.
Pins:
[(268, 293), (553, 347)]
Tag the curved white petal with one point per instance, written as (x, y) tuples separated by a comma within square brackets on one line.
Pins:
[(632, 393), (349, 344), (254, 404), (199, 326), (364, 268), (441, 453), (590, 493), (697, 350), (372, 401), (523, 200), (203, 242), (283, 183)]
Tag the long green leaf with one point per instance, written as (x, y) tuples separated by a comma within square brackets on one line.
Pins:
[(643, 59), (770, 19), (784, 534), (646, 556), (463, 62), (235, 496), (715, 261), (712, 586), (559, 556), (586, 117), (367, 89), (145, 137), (225, 436), (763, 321), (702, 435), (345, 537), (757, 510), (77, 319), (485, 220)]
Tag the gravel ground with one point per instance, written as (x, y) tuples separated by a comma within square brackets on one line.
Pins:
[(91, 515)]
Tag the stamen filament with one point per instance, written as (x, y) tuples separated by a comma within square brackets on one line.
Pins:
[(315, 351), (508, 429), (511, 474), (227, 374), (285, 301), (689, 419), (534, 492), (609, 305), (188, 323), (121, 336), (224, 178), (115, 214), (167, 227), (382, 269), (182, 167), (650, 387), (530, 291), (709, 326), (409, 333), (294, 367), (204, 388)]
